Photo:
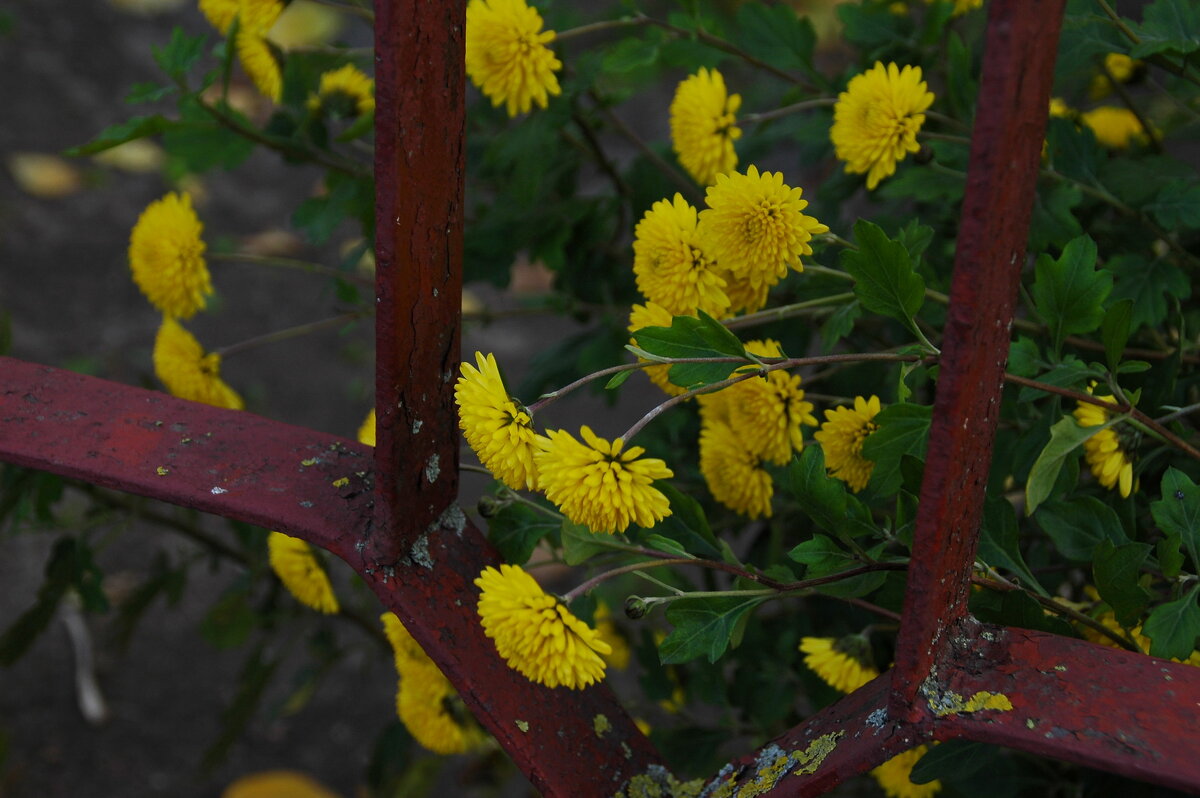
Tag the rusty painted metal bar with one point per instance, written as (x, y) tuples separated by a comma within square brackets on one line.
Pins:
[(419, 173), (279, 476), (1010, 123)]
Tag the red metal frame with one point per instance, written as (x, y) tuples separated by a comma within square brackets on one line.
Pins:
[(396, 522)]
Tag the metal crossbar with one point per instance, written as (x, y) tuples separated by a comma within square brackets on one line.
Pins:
[(397, 524)]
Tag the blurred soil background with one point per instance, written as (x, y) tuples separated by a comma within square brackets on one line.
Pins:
[(65, 69)]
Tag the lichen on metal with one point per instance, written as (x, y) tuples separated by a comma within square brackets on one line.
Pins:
[(771, 765), (601, 725), (658, 782)]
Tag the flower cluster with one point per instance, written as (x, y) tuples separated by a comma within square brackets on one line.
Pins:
[(426, 702), (535, 633), (296, 565), (752, 422), (507, 57), (876, 119), (597, 483)]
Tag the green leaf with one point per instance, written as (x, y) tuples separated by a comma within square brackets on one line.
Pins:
[(1147, 284), (873, 28), (229, 622), (1065, 437), (137, 128), (201, 143), (1115, 329), (777, 34), (839, 324), (953, 759), (703, 626), (1173, 627), (823, 498), (1024, 357), (1017, 608), (999, 545), (693, 337), (821, 556), (1167, 25), (903, 429), (252, 685), (59, 572), (1117, 570), (148, 93), (1077, 526), (1170, 558), (517, 529), (180, 53), (1177, 513), (1069, 293), (1070, 373), (688, 526), (1053, 223), (922, 184), (1073, 150), (580, 543), (1177, 205), (630, 54), (618, 379), (347, 198), (661, 543), (885, 281)]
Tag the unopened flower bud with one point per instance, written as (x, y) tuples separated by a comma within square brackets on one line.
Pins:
[(490, 505), (636, 607)]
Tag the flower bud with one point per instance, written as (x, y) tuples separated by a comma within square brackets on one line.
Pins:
[(636, 607)]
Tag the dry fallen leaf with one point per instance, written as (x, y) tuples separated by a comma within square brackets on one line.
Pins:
[(44, 176)]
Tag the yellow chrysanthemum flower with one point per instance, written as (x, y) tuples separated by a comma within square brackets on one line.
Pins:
[(702, 126), (255, 18), (426, 702), (733, 473), (841, 438), (220, 13), (366, 433), (1122, 69), (346, 90), (652, 315), (1105, 452), (768, 414), (294, 562), (754, 227), (1114, 127), (842, 663), (1060, 109), (670, 263), (507, 56), (180, 362), (537, 635), (893, 776), (876, 119), (599, 484), (1109, 620), (497, 428), (166, 257), (621, 653)]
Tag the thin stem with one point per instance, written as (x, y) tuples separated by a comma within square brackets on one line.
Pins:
[(806, 105), (786, 311), (305, 266), (828, 272), (931, 136), (946, 170), (833, 238), (290, 332), (547, 398), (1180, 413), (947, 120), (596, 27)]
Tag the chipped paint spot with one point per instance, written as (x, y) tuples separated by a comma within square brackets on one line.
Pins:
[(451, 518), (626, 750), (951, 703), (877, 718), (523, 725), (601, 725), (217, 491), (433, 468), (1060, 668), (1030, 723), (771, 765), (416, 425), (162, 471), (306, 504), (312, 461), (341, 483), (420, 552)]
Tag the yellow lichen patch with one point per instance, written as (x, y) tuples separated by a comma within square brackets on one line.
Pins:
[(341, 483), (658, 782), (601, 725), (523, 725), (774, 763), (951, 703), (162, 471), (312, 461)]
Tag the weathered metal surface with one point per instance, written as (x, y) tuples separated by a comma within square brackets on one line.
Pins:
[(1014, 94), (1101, 707), (419, 171), (276, 475)]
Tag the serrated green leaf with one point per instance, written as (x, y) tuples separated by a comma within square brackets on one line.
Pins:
[(822, 498), (1170, 557), (1147, 284), (1065, 437), (699, 336), (1173, 627), (137, 128), (1167, 26), (821, 556), (630, 54), (1177, 513), (180, 53), (902, 429), (999, 545), (702, 627), (517, 529), (1177, 205), (1116, 571), (1054, 223), (873, 28), (1115, 329), (839, 324), (885, 281), (201, 143), (777, 35), (1069, 292), (1077, 526), (1024, 357), (688, 526), (148, 93), (1070, 373)]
